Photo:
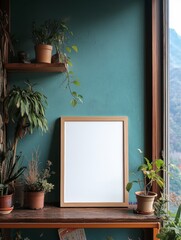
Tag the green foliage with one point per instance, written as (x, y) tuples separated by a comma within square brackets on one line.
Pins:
[(71, 80), (9, 170), (172, 228), (160, 207), (57, 33), (36, 180), (151, 173), (76, 97), (26, 107), (50, 32)]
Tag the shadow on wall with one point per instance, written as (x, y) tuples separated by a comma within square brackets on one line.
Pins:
[(54, 156)]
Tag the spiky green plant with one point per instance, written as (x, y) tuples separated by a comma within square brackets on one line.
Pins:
[(9, 170)]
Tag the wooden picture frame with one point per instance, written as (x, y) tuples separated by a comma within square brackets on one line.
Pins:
[(94, 161)]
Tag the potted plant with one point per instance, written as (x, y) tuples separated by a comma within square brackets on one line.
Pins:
[(150, 172), (44, 36), (36, 183), (9, 172), (25, 107)]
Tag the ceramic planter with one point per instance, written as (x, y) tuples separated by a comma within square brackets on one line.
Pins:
[(145, 202), (34, 200), (43, 53), (6, 204), (6, 201)]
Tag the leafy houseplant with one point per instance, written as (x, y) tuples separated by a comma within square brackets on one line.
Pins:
[(45, 36), (25, 107), (150, 172), (36, 182), (171, 229), (56, 33)]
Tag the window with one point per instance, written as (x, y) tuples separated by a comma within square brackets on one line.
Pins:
[(173, 100)]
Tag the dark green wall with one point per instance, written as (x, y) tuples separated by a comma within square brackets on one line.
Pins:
[(110, 66)]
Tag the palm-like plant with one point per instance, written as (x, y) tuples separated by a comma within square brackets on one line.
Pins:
[(26, 108)]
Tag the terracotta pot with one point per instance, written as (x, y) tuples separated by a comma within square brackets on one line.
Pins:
[(145, 202), (6, 201), (34, 200), (43, 53)]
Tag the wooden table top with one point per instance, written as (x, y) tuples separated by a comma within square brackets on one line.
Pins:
[(53, 214)]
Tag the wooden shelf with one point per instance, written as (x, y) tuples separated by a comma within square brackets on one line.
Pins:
[(82, 216), (56, 217), (35, 67)]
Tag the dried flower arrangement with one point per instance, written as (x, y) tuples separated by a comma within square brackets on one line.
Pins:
[(36, 180)]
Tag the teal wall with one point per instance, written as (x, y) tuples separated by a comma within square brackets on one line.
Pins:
[(110, 66)]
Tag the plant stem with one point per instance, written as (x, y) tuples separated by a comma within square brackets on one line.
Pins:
[(145, 193), (15, 144)]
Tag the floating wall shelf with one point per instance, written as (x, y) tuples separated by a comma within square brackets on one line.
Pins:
[(35, 67)]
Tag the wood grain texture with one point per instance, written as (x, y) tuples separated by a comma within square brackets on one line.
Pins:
[(51, 215), (35, 67)]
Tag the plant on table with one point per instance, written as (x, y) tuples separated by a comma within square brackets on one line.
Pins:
[(150, 171), (37, 180)]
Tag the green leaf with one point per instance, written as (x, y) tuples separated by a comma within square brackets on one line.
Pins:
[(75, 48), (74, 94), (80, 97), (71, 72), (76, 82), (142, 167), (177, 217), (68, 49), (129, 186), (149, 165), (22, 108), (73, 102), (159, 163), (69, 63)]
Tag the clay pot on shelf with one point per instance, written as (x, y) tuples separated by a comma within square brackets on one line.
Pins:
[(43, 53), (145, 202), (34, 200), (6, 204), (6, 201)]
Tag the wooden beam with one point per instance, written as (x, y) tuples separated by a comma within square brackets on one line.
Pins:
[(157, 74)]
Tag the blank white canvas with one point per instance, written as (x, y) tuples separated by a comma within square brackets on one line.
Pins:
[(93, 162)]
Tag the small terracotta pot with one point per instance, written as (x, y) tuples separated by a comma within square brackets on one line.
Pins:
[(145, 202), (43, 53), (34, 200), (6, 201)]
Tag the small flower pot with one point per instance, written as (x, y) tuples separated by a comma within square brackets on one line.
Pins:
[(145, 202), (43, 53), (6, 201), (34, 200)]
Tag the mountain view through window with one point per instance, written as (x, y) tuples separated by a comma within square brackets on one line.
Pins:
[(174, 83)]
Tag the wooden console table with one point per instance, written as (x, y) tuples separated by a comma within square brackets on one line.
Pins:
[(55, 217)]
